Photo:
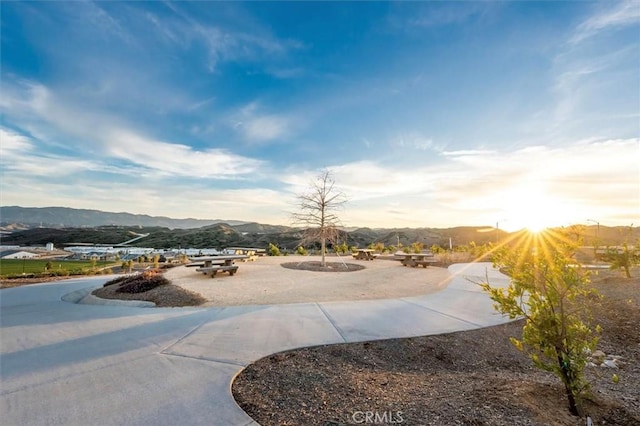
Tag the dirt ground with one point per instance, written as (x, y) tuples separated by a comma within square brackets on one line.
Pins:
[(271, 280), (474, 377)]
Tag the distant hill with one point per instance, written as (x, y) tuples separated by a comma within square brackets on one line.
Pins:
[(62, 217), (73, 226)]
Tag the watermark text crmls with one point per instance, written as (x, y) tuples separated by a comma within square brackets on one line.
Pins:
[(377, 417)]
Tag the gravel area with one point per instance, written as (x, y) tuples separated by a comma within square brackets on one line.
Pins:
[(474, 377), (266, 282)]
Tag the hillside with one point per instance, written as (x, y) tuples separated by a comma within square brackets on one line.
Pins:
[(255, 235), (73, 226), (61, 217)]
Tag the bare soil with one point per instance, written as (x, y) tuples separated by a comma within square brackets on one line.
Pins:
[(474, 377), (318, 267)]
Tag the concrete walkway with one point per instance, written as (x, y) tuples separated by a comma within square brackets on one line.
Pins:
[(77, 364)]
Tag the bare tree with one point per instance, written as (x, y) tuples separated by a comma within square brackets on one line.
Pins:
[(317, 211)]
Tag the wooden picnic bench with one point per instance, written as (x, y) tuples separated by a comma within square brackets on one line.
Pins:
[(365, 254), (213, 264), (416, 259), (231, 269)]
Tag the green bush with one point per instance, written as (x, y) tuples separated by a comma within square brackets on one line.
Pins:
[(15, 276), (553, 296), (341, 248), (273, 250), (302, 251)]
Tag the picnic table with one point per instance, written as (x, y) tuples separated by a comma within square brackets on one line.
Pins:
[(415, 259), (213, 264), (365, 254)]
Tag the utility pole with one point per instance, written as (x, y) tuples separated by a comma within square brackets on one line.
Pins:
[(597, 229), (498, 229)]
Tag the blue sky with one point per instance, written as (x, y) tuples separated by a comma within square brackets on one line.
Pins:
[(429, 114)]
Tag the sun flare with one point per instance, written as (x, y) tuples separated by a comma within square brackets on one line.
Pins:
[(533, 209), (536, 225)]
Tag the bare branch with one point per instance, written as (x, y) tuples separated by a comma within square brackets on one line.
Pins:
[(316, 211)]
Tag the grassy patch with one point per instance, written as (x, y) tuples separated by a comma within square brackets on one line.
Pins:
[(49, 267)]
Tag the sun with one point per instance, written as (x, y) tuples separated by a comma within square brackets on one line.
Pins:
[(532, 222), (536, 226), (533, 209)]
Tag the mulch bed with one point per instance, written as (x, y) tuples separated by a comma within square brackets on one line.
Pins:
[(317, 266), (475, 377), (164, 296), (149, 286)]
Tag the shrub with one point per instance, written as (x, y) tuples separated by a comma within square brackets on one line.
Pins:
[(552, 296), (623, 259), (16, 276), (436, 249), (273, 250), (417, 247), (341, 248), (302, 251), (148, 280)]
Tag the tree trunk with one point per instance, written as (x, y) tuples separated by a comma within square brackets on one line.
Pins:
[(323, 245), (574, 406)]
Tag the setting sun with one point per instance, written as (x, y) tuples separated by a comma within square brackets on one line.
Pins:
[(532, 208)]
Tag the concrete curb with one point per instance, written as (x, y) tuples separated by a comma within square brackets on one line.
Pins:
[(84, 297)]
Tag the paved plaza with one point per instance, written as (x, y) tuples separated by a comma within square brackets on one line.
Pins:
[(80, 364)]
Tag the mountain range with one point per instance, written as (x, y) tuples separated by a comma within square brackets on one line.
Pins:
[(63, 217), (66, 226)]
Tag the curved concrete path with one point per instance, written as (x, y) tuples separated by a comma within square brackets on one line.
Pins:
[(76, 364)]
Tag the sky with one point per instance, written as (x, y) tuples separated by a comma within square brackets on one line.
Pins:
[(427, 114)]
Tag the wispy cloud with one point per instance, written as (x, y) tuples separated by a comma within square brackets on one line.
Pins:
[(39, 109), (588, 79), (612, 16), (440, 14), (259, 127), (568, 183), (19, 154), (414, 141), (467, 152), (221, 42), (177, 159), (12, 143)]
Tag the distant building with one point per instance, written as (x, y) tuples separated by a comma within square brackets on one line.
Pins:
[(49, 246), (17, 254)]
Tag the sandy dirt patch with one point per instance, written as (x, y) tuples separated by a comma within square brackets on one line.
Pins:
[(265, 282)]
